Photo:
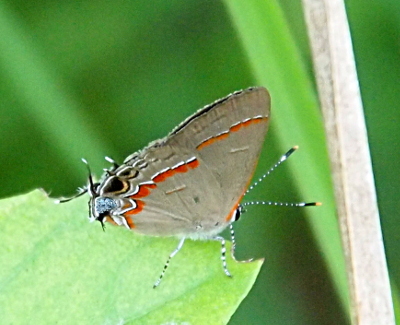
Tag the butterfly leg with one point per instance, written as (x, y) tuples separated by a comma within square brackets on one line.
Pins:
[(223, 255), (167, 263), (233, 247)]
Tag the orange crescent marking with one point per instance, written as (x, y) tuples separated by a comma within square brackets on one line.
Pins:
[(222, 136), (193, 164), (130, 222), (163, 176), (181, 169), (247, 123), (144, 190), (234, 128), (139, 208), (171, 172), (260, 119), (205, 143), (212, 140)]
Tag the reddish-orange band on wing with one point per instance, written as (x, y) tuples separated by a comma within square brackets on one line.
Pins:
[(233, 128), (129, 221), (139, 208), (180, 169), (144, 190)]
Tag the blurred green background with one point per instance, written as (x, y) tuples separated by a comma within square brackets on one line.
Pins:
[(95, 78)]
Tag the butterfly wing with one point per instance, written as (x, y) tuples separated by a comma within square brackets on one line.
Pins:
[(190, 182)]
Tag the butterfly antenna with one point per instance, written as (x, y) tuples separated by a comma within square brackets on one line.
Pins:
[(280, 161), (111, 172), (90, 187), (242, 206), (280, 204), (81, 190)]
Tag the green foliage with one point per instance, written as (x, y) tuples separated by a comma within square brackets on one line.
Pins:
[(95, 78), (61, 269)]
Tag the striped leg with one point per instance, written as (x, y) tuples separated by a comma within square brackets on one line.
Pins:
[(223, 255), (167, 263), (233, 247)]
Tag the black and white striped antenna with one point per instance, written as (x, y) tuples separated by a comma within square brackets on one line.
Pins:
[(241, 208), (271, 203)]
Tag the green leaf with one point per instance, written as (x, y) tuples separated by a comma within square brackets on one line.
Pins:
[(62, 269)]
